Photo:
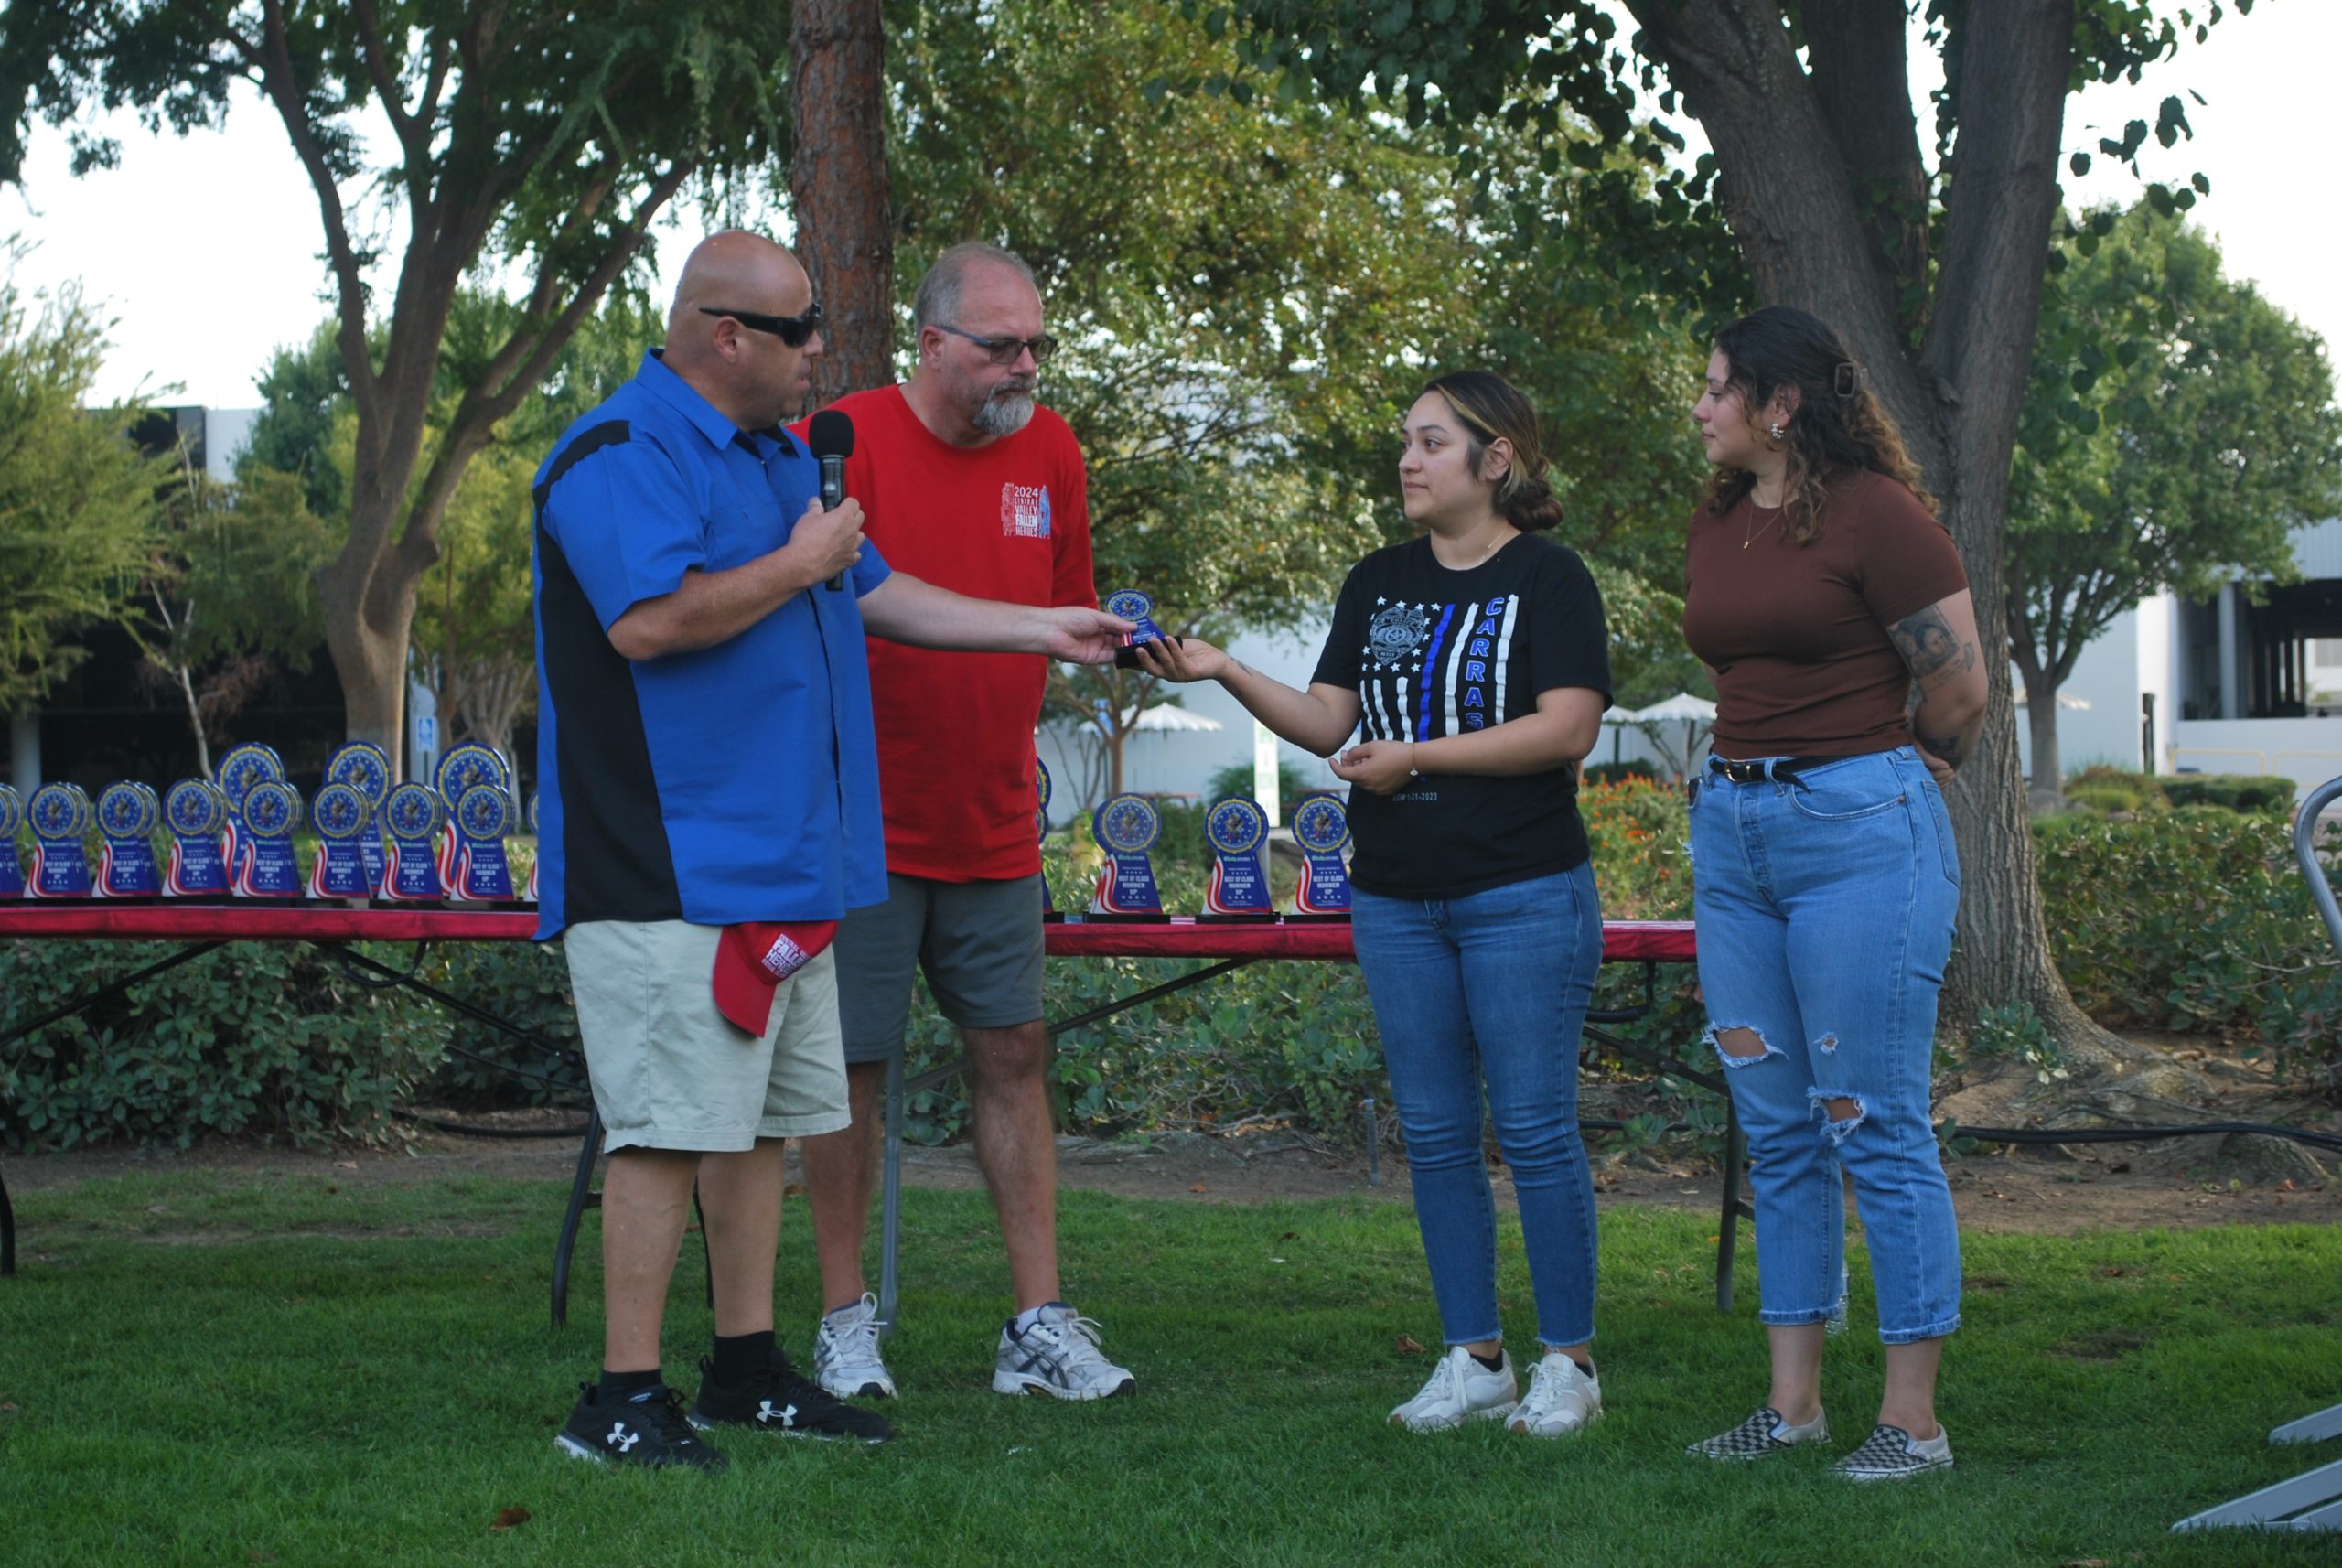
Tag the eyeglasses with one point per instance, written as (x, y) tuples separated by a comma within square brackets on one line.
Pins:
[(793, 331), (1003, 351)]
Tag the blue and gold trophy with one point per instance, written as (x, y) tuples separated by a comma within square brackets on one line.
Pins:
[(240, 771), (411, 817), (1321, 826), (1041, 827), (12, 817), (197, 814), (267, 865), (60, 815), (365, 767), (1132, 605), (1124, 825), (465, 768), (537, 850), (483, 815), (1239, 831), (126, 816), (341, 816)]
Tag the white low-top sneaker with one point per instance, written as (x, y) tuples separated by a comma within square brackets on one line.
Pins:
[(1057, 1354), (1562, 1399), (1459, 1390), (845, 1353)]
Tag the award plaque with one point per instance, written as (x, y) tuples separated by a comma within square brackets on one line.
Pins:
[(126, 816), (1041, 828), (411, 817), (12, 817), (341, 815), (481, 818), (365, 767), (1133, 605), (197, 813), (241, 769), (537, 849), (465, 768), (1124, 826), (60, 815), (266, 865), (1321, 826), (1239, 831)]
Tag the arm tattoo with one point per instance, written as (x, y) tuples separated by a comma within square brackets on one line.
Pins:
[(1929, 646), (1947, 746)]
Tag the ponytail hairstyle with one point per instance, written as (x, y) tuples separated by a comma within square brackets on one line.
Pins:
[(1836, 423), (1491, 409)]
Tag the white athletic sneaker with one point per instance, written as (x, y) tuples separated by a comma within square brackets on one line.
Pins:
[(1562, 1400), (1459, 1390), (1057, 1354), (845, 1353)]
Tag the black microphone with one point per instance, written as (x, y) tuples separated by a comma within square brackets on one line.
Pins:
[(830, 437)]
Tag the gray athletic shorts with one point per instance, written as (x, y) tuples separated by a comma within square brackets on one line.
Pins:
[(670, 1071), (979, 944)]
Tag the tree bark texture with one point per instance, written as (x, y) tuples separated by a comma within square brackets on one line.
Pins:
[(1798, 152), (2041, 718), (837, 182)]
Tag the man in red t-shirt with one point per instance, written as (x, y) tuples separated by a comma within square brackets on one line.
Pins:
[(965, 482)]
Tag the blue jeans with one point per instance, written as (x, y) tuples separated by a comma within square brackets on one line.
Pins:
[(1492, 989), (1825, 911)]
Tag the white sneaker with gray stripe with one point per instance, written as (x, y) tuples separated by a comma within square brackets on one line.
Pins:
[(1761, 1436), (845, 1353), (1056, 1353)]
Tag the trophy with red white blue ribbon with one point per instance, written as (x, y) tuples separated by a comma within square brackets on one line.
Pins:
[(1238, 829), (126, 817), (197, 814), (1124, 826), (411, 817), (12, 817), (60, 815), (365, 767), (242, 769), (341, 816), (1321, 826), (267, 865)]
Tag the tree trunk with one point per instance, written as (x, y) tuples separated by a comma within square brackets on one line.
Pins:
[(837, 182), (2048, 787), (369, 600)]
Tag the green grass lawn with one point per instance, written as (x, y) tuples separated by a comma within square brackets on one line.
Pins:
[(208, 1368)]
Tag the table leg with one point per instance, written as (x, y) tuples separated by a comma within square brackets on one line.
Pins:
[(890, 1222), (582, 1197), (1735, 1149)]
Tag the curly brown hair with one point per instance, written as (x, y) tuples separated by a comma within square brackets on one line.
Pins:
[(1839, 425)]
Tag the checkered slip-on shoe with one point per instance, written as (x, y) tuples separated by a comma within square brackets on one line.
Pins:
[(1762, 1435), (1891, 1454)]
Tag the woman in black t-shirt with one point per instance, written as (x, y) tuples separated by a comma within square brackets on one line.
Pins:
[(1474, 661)]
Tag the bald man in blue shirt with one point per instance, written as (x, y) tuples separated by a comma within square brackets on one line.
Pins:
[(705, 761)]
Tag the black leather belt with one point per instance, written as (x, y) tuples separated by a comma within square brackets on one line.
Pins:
[(1784, 770)]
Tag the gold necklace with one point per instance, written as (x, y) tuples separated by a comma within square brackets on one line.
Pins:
[(1749, 532)]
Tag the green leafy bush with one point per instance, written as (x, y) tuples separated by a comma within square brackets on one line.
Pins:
[(257, 1039), (2236, 791)]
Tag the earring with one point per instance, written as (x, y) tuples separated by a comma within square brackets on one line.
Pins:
[(1774, 431)]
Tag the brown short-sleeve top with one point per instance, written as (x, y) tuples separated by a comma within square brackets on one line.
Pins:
[(1797, 633)]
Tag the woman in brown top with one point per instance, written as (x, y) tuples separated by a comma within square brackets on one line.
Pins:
[(1820, 589)]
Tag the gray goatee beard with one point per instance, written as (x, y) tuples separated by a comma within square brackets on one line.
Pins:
[(1007, 410)]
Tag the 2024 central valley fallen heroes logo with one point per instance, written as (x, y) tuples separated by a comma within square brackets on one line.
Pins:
[(1025, 512)]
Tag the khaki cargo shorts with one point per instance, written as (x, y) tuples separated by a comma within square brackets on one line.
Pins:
[(670, 1072)]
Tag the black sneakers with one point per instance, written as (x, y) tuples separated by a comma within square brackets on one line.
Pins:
[(649, 1428), (778, 1399)]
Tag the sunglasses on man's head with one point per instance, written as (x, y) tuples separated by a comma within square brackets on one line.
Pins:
[(1003, 351), (793, 331)]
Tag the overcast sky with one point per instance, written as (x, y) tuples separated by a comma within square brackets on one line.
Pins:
[(205, 250)]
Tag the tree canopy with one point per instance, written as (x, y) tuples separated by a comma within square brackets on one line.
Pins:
[(81, 507), (2178, 428)]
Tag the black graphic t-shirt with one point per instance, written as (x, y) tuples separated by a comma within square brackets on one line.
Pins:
[(1434, 652)]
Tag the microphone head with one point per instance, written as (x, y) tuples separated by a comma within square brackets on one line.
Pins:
[(831, 434)]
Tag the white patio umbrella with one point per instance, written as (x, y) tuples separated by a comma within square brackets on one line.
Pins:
[(1693, 713), (1164, 717)]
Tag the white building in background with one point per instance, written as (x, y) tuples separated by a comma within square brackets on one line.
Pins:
[(2221, 685)]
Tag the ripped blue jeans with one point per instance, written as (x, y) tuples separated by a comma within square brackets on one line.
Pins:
[(1825, 911)]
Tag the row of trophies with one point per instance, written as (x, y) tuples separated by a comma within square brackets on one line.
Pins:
[(414, 844), (1126, 827), (233, 839)]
